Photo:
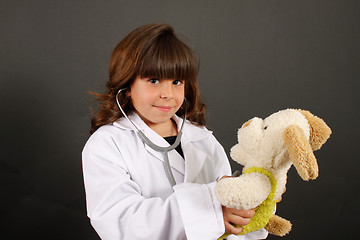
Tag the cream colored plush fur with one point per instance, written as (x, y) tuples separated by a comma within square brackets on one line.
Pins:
[(275, 143)]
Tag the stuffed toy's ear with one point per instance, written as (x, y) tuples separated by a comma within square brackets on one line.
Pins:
[(319, 131), (300, 153)]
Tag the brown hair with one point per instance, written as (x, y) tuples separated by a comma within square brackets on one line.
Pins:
[(150, 51)]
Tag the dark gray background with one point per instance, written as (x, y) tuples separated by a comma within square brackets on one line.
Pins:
[(257, 57)]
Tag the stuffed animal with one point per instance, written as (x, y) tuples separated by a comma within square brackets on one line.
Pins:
[(267, 149)]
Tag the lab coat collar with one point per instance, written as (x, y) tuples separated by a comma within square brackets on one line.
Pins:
[(123, 123), (176, 160), (191, 132), (194, 158)]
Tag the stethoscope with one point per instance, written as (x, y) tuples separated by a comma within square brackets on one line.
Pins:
[(158, 148)]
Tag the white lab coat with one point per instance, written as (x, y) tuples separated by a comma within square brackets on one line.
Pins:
[(129, 196)]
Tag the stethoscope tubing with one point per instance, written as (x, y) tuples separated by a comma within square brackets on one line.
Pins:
[(158, 148)]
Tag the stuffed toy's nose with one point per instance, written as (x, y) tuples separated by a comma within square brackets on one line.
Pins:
[(246, 124)]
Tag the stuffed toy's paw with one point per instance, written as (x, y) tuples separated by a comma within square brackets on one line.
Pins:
[(278, 226)]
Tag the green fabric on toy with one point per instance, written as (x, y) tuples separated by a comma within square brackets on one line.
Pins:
[(267, 149)]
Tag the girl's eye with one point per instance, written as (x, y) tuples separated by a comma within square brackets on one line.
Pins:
[(154, 81), (177, 82)]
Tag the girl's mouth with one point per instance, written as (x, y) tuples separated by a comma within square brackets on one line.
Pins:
[(164, 108)]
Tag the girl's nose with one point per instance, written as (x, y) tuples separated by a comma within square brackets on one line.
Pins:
[(167, 90)]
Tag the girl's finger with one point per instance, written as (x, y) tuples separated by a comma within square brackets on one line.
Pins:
[(229, 228), (237, 220)]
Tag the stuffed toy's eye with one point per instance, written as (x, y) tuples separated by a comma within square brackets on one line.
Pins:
[(265, 127)]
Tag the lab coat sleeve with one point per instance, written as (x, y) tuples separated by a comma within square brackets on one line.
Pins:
[(116, 208), (195, 210), (200, 211)]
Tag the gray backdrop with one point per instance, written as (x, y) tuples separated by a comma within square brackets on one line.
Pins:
[(257, 57)]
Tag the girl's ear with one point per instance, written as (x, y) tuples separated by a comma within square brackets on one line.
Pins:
[(128, 92), (300, 152)]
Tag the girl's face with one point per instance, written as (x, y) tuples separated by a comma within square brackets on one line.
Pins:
[(157, 100)]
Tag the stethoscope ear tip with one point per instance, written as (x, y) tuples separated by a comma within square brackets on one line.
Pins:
[(121, 90)]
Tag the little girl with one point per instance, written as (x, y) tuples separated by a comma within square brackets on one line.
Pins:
[(128, 192)]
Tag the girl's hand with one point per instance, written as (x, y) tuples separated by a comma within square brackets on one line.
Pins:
[(233, 217)]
